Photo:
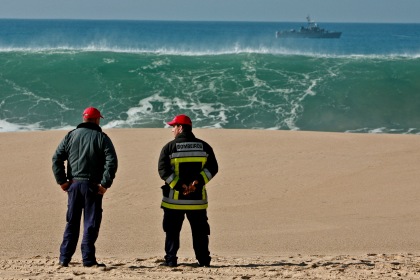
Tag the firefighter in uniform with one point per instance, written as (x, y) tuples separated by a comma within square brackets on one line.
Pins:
[(186, 164)]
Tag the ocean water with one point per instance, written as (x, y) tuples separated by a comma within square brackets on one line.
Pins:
[(234, 75)]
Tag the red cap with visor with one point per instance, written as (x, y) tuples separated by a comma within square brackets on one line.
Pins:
[(180, 119), (92, 113)]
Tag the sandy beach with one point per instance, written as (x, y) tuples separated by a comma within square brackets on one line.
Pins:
[(285, 204)]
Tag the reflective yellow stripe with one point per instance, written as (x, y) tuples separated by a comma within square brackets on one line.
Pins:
[(206, 180), (174, 181), (174, 195), (176, 161), (184, 207), (183, 201)]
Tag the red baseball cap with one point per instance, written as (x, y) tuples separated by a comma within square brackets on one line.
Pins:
[(180, 119), (92, 113)]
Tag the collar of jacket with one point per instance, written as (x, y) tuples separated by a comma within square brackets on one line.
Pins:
[(90, 125), (185, 135)]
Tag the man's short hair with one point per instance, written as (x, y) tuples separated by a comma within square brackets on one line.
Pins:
[(186, 127)]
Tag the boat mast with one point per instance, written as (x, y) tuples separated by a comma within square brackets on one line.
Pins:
[(311, 24)]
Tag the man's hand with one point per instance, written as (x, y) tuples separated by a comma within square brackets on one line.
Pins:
[(189, 189), (101, 189), (65, 186)]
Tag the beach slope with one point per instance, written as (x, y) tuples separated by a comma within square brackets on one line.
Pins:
[(284, 204)]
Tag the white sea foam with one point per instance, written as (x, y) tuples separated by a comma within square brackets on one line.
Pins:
[(234, 50), (152, 109), (109, 60), (6, 126)]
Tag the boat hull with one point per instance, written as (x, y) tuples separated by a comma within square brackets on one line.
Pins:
[(326, 35)]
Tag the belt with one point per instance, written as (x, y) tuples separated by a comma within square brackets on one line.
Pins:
[(80, 179)]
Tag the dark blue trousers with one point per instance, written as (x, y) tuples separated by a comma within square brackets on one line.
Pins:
[(200, 229), (82, 197)]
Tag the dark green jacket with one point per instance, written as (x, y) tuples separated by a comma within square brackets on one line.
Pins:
[(90, 155)]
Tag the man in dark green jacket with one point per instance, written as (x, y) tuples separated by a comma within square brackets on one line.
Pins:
[(91, 167), (186, 164)]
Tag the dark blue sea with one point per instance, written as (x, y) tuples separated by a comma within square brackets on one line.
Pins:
[(233, 75)]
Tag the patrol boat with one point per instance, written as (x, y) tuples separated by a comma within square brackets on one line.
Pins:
[(312, 30)]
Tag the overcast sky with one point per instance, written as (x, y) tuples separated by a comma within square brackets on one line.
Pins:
[(399, 11)]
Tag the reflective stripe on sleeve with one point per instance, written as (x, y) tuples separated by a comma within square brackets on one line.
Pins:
[(208, 174), (172, 180)]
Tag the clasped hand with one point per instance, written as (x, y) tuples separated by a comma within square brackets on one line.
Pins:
[(101, 189), (190, 188)]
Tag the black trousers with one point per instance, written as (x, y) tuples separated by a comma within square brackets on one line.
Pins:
[(82, 197), (200, 229)]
